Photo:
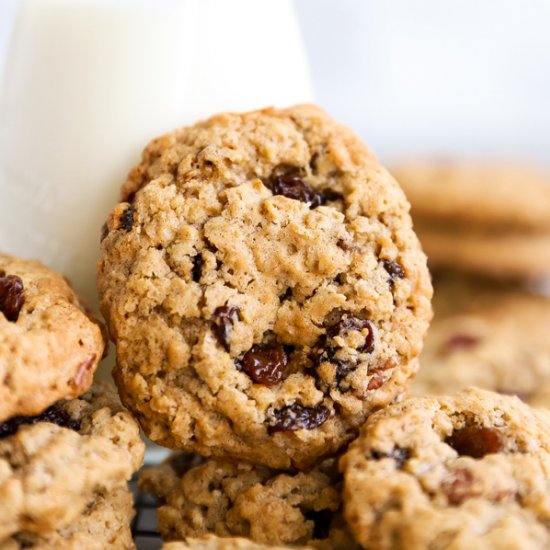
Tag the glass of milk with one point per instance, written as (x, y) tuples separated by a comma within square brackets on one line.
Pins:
[(89, 82)]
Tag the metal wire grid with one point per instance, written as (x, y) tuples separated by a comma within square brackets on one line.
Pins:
[(144, 526)]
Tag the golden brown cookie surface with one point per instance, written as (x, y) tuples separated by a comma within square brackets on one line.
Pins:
[(206, 496), (52, 466), (264, 287), (49, 346), (104, 524), (495, 338), (472, 470)]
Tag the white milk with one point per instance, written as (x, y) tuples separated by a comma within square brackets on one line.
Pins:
[(89, 82)]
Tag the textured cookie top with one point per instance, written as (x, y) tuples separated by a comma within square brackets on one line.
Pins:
[(211, 542), (490, 338), (104, 524), (469, 471), (264, 287), (229, 499), (49, 346), (484, 194), (52, 466)]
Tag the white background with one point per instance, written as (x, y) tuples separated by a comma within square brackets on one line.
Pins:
[(467, 77)]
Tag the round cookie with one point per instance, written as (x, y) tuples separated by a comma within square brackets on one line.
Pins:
[(461, 472), (105, 523), (495, 195), (493, 339), (264, 287), (211, 542), (228, 499), (456, 292), (498, 254), (53, 465), (49, 345)]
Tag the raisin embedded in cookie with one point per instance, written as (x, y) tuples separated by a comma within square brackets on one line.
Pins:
[(264, 287), (461, 472), (206, 496), (104, 524), (53, 466), (49, 345)]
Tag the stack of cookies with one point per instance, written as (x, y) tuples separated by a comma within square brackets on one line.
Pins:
[(484, 219), (487, 233), (67, 447), (266, 293), (269, 300)]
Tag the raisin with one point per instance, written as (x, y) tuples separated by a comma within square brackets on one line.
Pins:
[(224, 318), (343, 368), (53, 414), (25, 540), (475, 441), (287, 295), (324, 353), (265, 363), (12, 296), (460, 342), (196, 270), (398, 454), (394, 269), (354, 323), (127, 219), (458, 486), (321, 522), (330, 195), (298, 417), (294, 187), (313, 162)]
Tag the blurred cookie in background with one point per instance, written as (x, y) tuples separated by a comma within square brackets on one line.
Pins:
[(495, 337), (499, 254), (480, 194), (491, 220)]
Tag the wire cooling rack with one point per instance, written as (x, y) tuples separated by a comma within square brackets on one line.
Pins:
[(144, 526)]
